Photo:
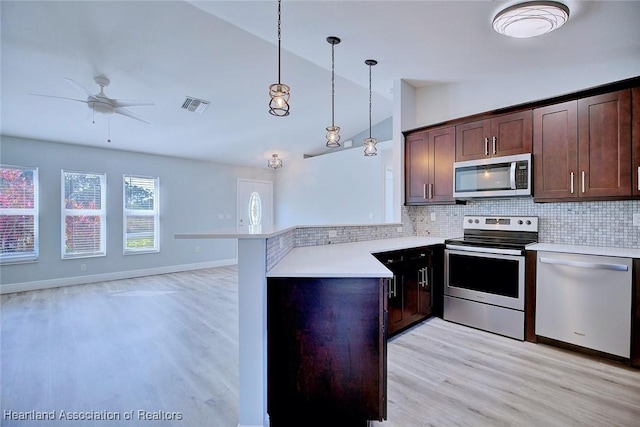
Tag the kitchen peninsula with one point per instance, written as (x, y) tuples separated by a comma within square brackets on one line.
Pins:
[(272, 253)]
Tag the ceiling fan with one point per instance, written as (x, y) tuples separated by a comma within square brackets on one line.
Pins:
[(101, 103)]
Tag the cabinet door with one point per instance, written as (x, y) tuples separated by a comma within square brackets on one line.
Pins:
[(635, 139), (555, 151), (396, 318), (416, 168), (511, 134), (442, 156), (604, 123), (472, 140)]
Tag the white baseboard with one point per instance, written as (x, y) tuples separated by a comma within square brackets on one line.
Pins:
[(82, 280)]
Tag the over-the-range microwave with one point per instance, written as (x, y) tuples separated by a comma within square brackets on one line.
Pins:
[(507, 176)]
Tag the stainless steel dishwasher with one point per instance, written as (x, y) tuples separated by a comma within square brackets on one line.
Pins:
[(585, 300)]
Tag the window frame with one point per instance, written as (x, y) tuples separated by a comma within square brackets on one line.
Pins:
[(155, 213), (102, 213), (25, 256)]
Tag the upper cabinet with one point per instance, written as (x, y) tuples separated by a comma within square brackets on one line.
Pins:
[(504, 135), (429, 157), (635, 138), (582, 148)]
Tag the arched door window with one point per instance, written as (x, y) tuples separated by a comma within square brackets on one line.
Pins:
[(255, 209)]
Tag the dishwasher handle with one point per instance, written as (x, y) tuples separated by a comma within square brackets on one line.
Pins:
[(579, 264)]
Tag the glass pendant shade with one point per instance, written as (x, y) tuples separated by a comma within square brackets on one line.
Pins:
[(279, 105), (333, 131), (274, 162), (279, 92), (370, 147), (531, 19), (333, 136)]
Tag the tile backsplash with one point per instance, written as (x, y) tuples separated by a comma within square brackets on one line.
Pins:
[(579, 223)]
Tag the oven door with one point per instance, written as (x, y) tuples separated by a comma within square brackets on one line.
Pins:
[(495, 279)]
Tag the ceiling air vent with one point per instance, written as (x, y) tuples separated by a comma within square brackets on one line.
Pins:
[(195, 105)]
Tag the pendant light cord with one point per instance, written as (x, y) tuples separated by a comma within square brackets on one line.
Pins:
[(369, 101), (333, 86), (279, 36)]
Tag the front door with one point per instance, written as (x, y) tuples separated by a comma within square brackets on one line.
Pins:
[(255, 205)]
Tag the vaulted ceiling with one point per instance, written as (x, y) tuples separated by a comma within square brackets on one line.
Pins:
[(225, 52)]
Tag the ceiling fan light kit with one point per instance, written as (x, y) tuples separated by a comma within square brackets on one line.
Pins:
[(279, 92), (531, 19)]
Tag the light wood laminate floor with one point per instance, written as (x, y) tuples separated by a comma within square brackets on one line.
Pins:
[(169, 343)]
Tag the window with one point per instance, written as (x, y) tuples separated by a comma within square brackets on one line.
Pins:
[(141, 214), (83, 214), (18, 214)]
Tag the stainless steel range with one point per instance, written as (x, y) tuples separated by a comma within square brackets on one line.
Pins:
[(485, 273)]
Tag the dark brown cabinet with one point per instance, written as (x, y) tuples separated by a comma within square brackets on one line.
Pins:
[(429, 158), (582, 149), (635, 140), (410, 292), (504, 135), (326, 350)]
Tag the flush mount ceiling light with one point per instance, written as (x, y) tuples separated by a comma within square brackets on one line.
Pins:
[(531, 19), (274, 162), (333, 131), (370, 143), (279, 92)]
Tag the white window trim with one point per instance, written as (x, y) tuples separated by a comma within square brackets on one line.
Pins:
[(35, 211), (155, 212), (102, 212)]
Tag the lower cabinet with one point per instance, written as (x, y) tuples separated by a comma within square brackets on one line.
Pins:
[(326, 350), (415, 291)]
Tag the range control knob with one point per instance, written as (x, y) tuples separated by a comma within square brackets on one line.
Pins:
[(470, 221), (528, 222), (476, 221), (520, 222)]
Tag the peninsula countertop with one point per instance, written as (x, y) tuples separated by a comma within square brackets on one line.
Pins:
[(345, 259)]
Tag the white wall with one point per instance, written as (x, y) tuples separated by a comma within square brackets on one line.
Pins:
[(435, 104), (343, 187), (192, 195)]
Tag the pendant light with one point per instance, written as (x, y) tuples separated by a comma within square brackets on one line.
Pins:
[(279, 92), (333, 131), (274, 162), (370, 143), (531, 19)]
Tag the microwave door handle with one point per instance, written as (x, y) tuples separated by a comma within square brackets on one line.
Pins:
[(513, 175)]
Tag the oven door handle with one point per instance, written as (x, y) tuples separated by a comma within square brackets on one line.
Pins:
[(484, 250)]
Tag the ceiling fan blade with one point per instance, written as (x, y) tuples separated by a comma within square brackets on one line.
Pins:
[(117, 103), (128, 113), (79, 87), (59, 97)]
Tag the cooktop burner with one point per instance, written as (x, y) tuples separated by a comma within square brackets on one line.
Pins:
[(503, 232)]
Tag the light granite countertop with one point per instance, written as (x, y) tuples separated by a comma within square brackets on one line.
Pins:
[(345, 259)]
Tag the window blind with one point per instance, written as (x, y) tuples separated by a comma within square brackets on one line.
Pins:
[(141, 214)]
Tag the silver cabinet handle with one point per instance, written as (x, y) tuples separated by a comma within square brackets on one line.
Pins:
[(638, 178), (494, 145), (431, 191), (579, 264), (583, 181), (424, 191), (486, 146), (571, 182)]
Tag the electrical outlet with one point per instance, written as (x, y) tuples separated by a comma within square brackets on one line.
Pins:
[(197, 249), (636, 219), (281, 242), (399, 229), (433, 216), (83, 267), (333, 233)]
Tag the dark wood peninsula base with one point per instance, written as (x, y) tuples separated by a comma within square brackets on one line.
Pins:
[(326, 351)]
